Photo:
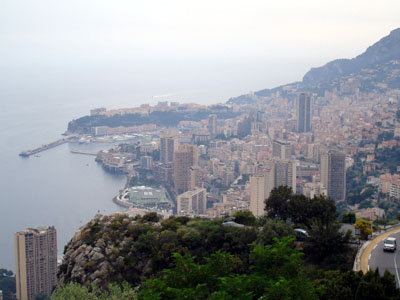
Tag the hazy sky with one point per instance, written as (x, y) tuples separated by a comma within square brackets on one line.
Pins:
[(50, 33)]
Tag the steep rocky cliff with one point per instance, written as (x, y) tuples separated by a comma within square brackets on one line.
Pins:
[(120, 248)]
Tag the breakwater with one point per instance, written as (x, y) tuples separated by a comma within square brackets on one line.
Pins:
[(85, 152), (44, 147)]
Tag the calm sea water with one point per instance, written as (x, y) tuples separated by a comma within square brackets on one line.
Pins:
[(56, 188), (64, 189)]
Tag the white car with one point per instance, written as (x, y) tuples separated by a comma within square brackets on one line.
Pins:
[(389, 244)]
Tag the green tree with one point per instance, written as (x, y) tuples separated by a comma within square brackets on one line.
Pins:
[(276, 206), (75, 291), (245, 217), (276, 272), (328, 246), (7, 284), (151, 217), (351, 285), (349, 218), (274, 229), (41, 297), (299, 209)]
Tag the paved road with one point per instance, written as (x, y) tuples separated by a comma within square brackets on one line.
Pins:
[(386, 260)]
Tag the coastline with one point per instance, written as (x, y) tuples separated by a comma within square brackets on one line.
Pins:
[(116, 199), (121, 203)]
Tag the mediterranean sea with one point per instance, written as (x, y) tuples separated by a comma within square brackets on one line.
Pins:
[(66, 190)]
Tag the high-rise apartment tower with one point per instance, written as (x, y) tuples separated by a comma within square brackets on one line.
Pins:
[(281, 149), (333, 174), (35, 261), (304, 113), (285, 173), (260, 188), (186, 156), (212, 125), (168, 144), (192, 202)]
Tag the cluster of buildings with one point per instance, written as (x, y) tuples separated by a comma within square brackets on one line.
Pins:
[(237, 162), (306, 142), (390, 184), (218, 166)]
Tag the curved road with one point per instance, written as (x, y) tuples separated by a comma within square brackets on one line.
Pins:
[(386, 260)]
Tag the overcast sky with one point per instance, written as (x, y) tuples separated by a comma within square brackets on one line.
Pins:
[(302, 34), (93, 30)]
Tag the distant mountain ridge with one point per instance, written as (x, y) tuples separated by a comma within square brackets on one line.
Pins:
[(377, 68), (387, 49)]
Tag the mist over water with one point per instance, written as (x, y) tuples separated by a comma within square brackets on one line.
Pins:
[(36, 103)]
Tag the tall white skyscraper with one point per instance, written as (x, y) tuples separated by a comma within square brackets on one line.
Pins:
[(260, 188)]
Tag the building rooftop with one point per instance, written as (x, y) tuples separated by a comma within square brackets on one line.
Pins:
[(147, 195), (37, 229)]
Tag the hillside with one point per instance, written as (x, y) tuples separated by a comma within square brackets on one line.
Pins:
[(377, 69), (115, 248), (122, 257), (380, 53), (160, 118), (119, 247)]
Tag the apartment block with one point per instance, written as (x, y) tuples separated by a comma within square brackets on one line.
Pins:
[(193, 202), (260, 188), (333, 174), (281, 149), (284, 172), (168, 145), (186, 156), (35, 261)]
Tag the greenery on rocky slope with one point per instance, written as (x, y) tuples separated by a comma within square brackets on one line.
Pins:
[(117, 248), (276, 271), (194, 258)]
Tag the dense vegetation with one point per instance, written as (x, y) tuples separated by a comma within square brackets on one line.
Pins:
[(276, 271), (194, 258), (7, 284), (356, 181), (318, 215), (357, 189), (388, 158), (134, 249)]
